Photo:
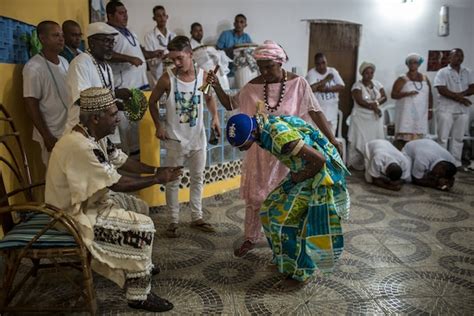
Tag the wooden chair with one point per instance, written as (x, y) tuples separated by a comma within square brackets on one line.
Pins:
[(29, 231)]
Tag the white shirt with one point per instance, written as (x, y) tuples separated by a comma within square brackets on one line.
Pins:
[(194, 43), (84, 168), (127, 75), (455, 82), (177, 122), (379, 154), (425, 154), (52, 93), (368, 95), (329, 101), (83, 74), (155, 40)]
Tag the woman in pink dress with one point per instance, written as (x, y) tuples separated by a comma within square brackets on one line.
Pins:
[(283, 93)]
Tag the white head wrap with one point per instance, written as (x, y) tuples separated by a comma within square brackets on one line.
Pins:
[(364, 66)]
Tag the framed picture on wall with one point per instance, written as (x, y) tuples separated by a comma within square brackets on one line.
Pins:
[(97, 11), (437, 59)]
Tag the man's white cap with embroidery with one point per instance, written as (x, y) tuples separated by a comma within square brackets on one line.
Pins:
[(100, 28)]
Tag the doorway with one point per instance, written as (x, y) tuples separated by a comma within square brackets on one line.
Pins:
[(339, 41)]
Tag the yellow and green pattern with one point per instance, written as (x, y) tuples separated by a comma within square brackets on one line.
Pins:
[(302, 221)]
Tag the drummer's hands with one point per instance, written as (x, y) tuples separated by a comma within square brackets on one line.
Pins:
[(123, 95), (212, 79), (159, 53), (135, 61)]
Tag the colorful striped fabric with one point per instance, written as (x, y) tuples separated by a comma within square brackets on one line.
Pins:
[(22, 233), (302, 221)]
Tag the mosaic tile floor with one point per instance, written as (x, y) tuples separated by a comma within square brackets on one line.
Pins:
[(407, 252)]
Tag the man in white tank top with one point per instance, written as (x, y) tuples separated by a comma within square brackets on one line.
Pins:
[(183, 132)]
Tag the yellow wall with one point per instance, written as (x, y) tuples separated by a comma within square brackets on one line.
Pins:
[(32, 12)]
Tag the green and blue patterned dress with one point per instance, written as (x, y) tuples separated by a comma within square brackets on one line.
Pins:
[(302, 221)]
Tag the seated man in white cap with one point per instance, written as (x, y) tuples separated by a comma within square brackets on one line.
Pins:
[(432, 165), (86, 183), (385, 165)]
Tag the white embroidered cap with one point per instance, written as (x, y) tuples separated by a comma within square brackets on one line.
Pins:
[(100, 28)]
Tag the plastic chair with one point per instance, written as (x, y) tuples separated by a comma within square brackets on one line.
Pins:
[(388, 117), (339, 137), (432, 127)]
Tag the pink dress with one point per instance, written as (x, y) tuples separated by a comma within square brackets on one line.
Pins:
[(262, 172)]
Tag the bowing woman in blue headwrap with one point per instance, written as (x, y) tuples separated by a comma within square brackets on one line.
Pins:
[(302, 216)]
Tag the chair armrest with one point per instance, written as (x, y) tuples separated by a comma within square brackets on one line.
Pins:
[(20, 190)]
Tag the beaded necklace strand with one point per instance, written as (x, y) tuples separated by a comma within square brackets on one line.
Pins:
[(282, 93)]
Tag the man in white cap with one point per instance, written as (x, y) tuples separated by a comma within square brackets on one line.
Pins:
[(85, 182), (90, 69)]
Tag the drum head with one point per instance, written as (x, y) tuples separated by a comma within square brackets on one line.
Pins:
[(202, 47), (247, 45)]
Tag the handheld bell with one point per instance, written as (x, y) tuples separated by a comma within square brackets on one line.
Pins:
[(206, 87)]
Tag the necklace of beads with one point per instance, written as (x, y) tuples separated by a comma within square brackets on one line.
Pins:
[(54, 79), (282, 93), (101, 73), (125, 32), (415, 85), (178, 95), (457, 78), (371, 91)]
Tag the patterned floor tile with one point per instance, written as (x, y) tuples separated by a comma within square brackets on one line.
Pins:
[(416, 306), (407, 252)]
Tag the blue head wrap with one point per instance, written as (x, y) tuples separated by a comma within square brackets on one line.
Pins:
[(239, 129)]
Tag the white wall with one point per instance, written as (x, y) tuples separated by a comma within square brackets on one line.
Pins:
[(390, 28)]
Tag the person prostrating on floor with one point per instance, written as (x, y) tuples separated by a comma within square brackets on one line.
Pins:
[(385, 165), (432, 165)]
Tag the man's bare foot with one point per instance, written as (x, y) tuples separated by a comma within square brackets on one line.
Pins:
[(289, 284), (244, 248)]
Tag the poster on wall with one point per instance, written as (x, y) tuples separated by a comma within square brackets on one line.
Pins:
[(97, 11), (437, 59)]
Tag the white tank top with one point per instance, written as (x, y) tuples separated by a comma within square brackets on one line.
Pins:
[(184, 114)]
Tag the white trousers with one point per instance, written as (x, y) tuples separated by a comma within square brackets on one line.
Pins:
[(453, 126), (195, 160)]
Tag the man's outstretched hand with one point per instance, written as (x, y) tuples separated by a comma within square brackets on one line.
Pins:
[(168, 174)]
